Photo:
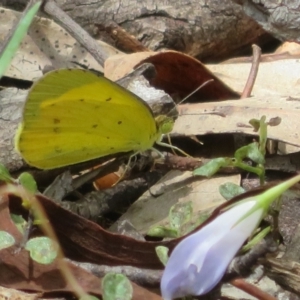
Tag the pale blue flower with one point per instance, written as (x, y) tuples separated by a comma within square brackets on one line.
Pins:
[(199, 261)]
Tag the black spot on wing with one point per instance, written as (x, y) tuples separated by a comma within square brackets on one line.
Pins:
[(120, 122), (57, 149), (56, 121), (108, 99)]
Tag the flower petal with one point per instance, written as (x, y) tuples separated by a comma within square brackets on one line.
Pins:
[(199, 261)]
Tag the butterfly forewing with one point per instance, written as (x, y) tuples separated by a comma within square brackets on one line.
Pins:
[(71, 116)]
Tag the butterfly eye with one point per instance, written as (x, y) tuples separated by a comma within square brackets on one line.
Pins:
[(164, 124)]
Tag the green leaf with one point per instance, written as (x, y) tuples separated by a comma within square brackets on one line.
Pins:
[(162, 231), (179, 214), (266, 198), (19, 221), (212, 167), (6, 240), (255, 123), (256, 239), (4, 174), (42, 250), (116, 287), (28, 182), (13, 44), (162, 254), (250, 151), (229, 190), (263, 132), (195, 222)]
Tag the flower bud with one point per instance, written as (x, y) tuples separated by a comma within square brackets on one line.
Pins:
[(199, 261)]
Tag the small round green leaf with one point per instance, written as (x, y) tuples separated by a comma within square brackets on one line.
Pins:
[(162, 231), (19, 221), (4, 174), (179, 214), (116, 287), (162, 254), (229, 190), (6, 240), (28, 182), (42, 250), (255, 124)]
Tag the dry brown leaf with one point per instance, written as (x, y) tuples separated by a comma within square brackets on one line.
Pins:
[(20, 272), (177, 74), (46, 45), (289, 47), (11, 294), (233, 116), (176, 187), (274, 78)]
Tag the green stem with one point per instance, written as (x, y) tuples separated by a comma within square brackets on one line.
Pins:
[(8, 51)]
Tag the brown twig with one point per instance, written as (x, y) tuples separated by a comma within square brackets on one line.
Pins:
[(253, 72), (251, 289), (242, 265), (123, 40), (97, 51)]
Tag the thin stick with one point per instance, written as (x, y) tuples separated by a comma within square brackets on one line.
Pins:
[(41, 215), (99, 53), (251, 289), (253, 72), (123, 39)]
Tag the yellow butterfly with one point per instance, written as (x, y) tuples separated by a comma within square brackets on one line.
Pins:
[(72, 116)]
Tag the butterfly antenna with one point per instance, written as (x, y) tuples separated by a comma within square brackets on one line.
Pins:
[(196, 90), (193, 92), (189, 95)]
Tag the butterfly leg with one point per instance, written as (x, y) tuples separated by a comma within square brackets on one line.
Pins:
[(172, 147), (158, 152), (127, 167)]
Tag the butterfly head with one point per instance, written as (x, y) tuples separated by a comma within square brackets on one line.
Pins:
[(164, 124)]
